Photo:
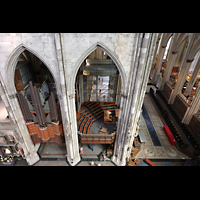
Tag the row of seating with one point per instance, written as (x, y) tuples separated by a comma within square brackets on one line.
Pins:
[(169, 122), (95, 108), (93, 112), (186, 131), (85, 121), (109, 107)]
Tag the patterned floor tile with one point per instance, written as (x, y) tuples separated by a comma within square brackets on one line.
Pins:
[(171, 152), (148, 150), (160, 152)]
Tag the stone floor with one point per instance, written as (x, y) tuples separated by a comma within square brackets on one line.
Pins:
[(149, 150), (49, 150)]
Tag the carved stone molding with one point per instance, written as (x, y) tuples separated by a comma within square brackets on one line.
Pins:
[(12, 96), (189, 61), (71, 96)]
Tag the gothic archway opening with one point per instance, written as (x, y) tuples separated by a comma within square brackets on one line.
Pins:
[(39, 103), (97, 100)]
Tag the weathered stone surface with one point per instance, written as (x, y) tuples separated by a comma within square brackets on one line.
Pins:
[(63, 53)]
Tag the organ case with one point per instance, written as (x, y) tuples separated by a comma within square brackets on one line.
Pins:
[(41, 130)]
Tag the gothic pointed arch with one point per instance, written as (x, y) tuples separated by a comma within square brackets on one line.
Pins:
[(194, 50), (12, 62), (32, 81), (111, 54), (165, 39), (179, 41)]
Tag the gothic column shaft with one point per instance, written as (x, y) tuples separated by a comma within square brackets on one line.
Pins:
[(67, 104), (192, 79), (118, 157), (184, 68), (168, 70), (21, 131), (128, 129), (192, 109), (180, 81), (158, 65)]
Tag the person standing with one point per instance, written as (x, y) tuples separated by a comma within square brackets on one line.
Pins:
[(92, 163), (81, 150), (104, 157)]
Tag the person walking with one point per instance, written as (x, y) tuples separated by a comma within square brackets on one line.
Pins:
[(92, 147)]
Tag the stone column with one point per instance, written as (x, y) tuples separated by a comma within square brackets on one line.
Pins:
[(158, 65), (180, 81), (192, 79), (193, 108), (120, 146), (72, 136), (132, 98), (184, 68), (168, 70), (133, 126), (21, 131), (67, 104)]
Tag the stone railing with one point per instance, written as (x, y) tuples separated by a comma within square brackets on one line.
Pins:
[(96, 138)]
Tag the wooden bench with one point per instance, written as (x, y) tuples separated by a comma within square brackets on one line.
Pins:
[(97, 138), (83, 111), (97, 110), (90, 126), (87, 123), (101, 111), (83, 122), (91, 106), (97, 107)]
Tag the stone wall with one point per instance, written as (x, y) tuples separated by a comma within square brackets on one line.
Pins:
[(63, 54), (167, 91), (180, 106)]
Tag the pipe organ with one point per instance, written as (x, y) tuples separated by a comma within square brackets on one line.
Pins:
[(41, 113)]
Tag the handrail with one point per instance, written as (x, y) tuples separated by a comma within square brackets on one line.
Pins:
[(97, 138)]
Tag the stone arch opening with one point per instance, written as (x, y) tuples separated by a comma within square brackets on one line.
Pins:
[(111, 54), (98, 86), (13, 60), (35, 87)]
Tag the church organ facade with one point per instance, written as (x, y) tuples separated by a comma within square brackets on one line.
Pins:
[(42, 121)]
